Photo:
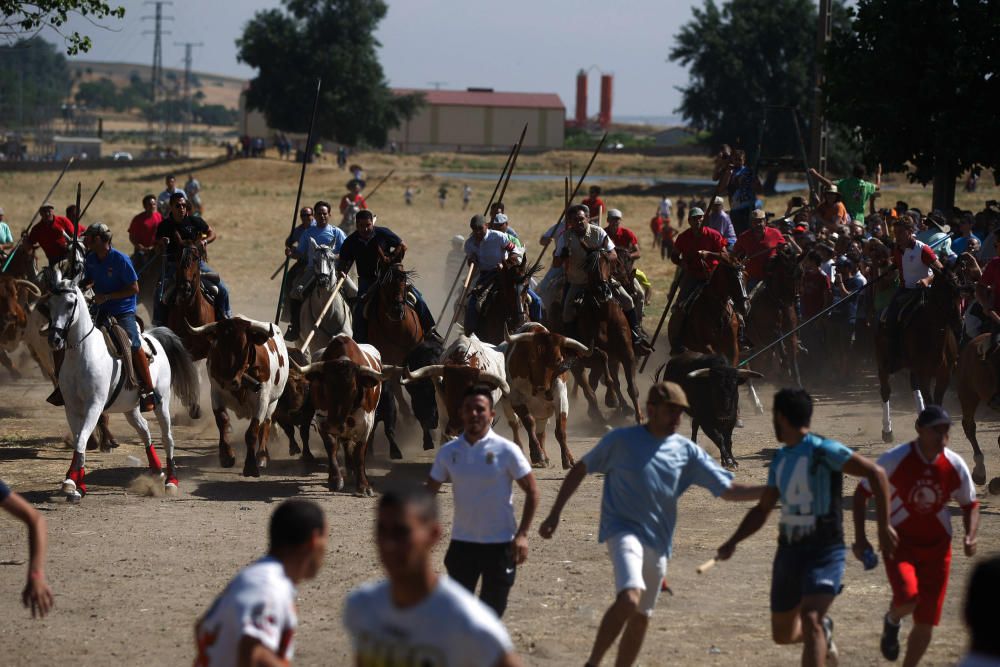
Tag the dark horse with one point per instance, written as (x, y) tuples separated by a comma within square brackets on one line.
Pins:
[(393, 324), (712, 323), (772, 314), (928, 345), (978, 382), (603, 325), (188, 304), (505, 309)]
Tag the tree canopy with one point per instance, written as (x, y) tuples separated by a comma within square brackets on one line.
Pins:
[(332, 39), (746, 54), (20, 18), (919, 81), (34, 81)]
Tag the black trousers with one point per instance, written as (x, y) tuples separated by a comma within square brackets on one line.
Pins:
[(466, 562)]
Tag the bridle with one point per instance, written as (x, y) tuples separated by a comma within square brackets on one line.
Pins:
[(63, 331)]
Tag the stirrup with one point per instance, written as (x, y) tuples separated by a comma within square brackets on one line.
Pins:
[(147, 401)]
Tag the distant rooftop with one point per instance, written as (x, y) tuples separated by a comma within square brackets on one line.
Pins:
[(486, 97)]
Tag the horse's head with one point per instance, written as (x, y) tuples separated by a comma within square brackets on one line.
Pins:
[(63, 307), (597, 264), (324, 263), (71, 265), (188, 277), (727, 281), (945, 296), (392, 284), (782, 274)]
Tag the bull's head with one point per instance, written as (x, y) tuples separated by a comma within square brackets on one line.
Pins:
[(454, 380), (725, 382), (233, 348), (549, 356), (338, 387)]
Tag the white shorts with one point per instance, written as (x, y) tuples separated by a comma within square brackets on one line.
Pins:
[(637, 566)]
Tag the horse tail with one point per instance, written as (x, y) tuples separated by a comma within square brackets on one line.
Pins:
[(183, 375)]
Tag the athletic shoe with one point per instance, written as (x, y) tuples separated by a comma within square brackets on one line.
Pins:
[(890, 639), (832, 655)]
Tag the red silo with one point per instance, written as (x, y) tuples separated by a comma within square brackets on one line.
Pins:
[(604, 119), (581, 98)]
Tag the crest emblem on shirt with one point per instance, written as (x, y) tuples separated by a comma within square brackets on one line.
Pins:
[(925, 497), (490, 458)]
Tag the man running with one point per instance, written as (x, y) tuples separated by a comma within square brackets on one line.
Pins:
[(364, 246), (253, 621), (648, 468), (37, 595), (416, 616), (923, 476), (486, 541), (806, 475), (324, 234)]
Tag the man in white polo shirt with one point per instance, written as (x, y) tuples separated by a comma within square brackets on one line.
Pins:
[(647, 467), (486, 540)]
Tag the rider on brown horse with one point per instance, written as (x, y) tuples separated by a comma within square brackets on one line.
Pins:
[(487, 249), (915, 261), (697, 251), (365, 246)]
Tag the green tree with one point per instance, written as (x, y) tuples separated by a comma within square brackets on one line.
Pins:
[(746, 54), (34, 81), (919, 82), (19, 18), (332, 39), (100, 94)]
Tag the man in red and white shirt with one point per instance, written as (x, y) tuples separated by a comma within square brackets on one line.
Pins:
[(253, 621), (759, 244), (625, 240), (923, 475), (915, 262)]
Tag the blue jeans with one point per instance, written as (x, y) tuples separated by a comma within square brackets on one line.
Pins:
[(127, 322), (535, 306), (801, 570), (222, 308)]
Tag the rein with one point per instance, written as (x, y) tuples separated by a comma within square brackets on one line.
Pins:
[(72, 320)]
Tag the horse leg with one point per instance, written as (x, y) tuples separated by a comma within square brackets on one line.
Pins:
[(968, 398), (289, 431), (593, 410), (941, 381), (628, 365), (9, 365), (389, 426), (614, 366), (534, 449), (141, 426), (885, 391), (918, 396), (162, 413), (82, 426), (108, 441), (227, 457), (251, 438)]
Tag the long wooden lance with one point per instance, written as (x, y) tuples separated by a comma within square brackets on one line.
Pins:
[(322, 313), (90, 201), (298, 196), (76, 231), (465, 290), (572, 196), (678, 277), (379, 184), (35, 214)]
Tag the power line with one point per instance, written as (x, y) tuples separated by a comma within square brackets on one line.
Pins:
[(156, 80), (187, 92)]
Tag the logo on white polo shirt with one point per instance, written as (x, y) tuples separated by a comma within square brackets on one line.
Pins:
[(490, 458)]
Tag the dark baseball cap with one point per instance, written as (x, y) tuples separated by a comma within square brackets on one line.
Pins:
[(933, 415)]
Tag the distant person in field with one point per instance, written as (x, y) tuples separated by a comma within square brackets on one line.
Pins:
[(142, 230), (594, 203), (417, 617), (442, 195), (193, 191), (36, 595), (466, 196), (253, 621), (163, 201), (408, 194)]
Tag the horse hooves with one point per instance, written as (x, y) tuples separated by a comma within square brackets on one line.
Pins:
[(394, 453), (887, 436), (308, 457), (251, 470), (170, 488), (74, 497), (366, 492), (994, 487), (194, 412), (568, 463), (226, 460), (294, 449), (92, 445), (335, 485), (731, 465), (428, 445), (979, 470), (110, 445), (739, 423)]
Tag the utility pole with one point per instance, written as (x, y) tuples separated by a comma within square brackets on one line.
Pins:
[(437, 84), (818, 128), (156, 81), (188, 114)]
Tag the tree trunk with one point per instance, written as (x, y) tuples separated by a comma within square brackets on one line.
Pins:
[(945, 174), (771, 182)]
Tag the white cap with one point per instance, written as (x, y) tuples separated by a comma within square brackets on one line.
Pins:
[(717, 201), (458, 238), (614, 213), (499, 219)]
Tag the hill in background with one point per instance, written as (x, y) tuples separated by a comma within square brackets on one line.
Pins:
[(223, 90)]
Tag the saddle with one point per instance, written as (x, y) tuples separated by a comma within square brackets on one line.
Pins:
[(685, 305), (907, 309), (120, 347), (368, 300), (209, 288)]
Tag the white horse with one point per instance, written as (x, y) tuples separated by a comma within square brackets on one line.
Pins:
[(338, 318), (91, 382)]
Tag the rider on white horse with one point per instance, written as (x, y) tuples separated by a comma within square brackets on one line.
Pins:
[(324, 234), (351, 203)]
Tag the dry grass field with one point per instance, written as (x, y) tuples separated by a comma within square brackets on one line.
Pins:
[(131, 573)]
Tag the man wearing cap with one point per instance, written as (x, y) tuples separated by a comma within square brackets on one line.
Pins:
[(353, 196), (855, 190), (365, 246), (488, 250), (915, 262), (178, 229), (306, 220), (697, 251), (324, 234), (719, 220), (6, 238), (924, 475), (933, 231), (831, 214), (581, 239), (647, 469), (51, 232), (757, 245), (497, 209), (113, 278), (163, 201), (624, 238)]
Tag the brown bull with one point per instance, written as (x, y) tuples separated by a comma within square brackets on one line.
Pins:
[(14, 295), (346, 385)]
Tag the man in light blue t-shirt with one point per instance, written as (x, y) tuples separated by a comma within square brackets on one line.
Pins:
[(806, 475), (647, 468)]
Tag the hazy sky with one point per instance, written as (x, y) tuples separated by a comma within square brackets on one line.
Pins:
[(524, 45)]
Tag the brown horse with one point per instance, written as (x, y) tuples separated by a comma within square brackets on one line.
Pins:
[(189, 305), (505, 309), (22, 264), (603, 325), (712, 322), (393, 325), (772, 314), (929, 345), (978, 382)]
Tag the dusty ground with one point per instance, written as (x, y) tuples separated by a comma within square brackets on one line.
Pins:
[(131, 573)]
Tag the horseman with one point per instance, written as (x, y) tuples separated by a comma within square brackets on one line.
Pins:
[(113, 278), (988, 297), (488, 250), (366, 246), (142, 230), (50, 233), (171, 235), (554, 279), (498, 214), (324, 234), (581, 239), (306, 220), (627, 249), (594, 203), (697, 250), (500, 224), (353, 198), (758, 245), (915, 261)]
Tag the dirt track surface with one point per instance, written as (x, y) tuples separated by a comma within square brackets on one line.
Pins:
[(131, 573)]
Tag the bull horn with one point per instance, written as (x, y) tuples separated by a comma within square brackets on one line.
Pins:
[(204, 329), (30, 285), (389, 372), (262, 327), (576, 346), (308, 368), (370, 372), (496, 380), (434, 370), (700, 373), (747, 373), (516, 338)]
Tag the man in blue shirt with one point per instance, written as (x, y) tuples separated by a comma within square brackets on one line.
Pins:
[(324, 234), (806, 475), (366, 246), (647, 468)]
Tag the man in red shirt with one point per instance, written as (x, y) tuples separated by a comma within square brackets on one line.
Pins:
[(353, 196), (625, 240), (923, 476), (142, 229), (594, 202), (697, 250), (759, 244), (48, 233), (815, 293)]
